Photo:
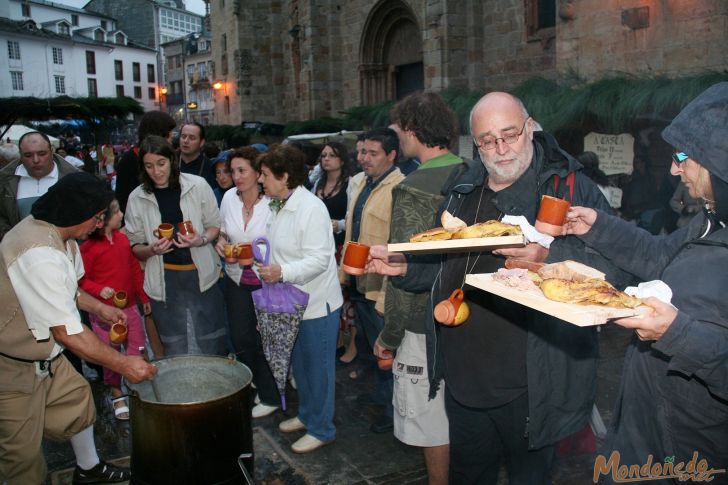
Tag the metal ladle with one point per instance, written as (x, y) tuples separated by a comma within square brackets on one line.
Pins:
[(155, 390)]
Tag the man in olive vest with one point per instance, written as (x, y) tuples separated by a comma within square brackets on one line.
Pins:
[(40, 392)]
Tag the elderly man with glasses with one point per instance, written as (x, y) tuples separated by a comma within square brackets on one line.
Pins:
[(518, 381)]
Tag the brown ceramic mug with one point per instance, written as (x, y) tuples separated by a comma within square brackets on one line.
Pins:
[(386, 363), (230, 251), (185, 228), (165, 231), (355, 258), (117, 333), (245, 254), (551, 215), (120, 299), (453, 311)]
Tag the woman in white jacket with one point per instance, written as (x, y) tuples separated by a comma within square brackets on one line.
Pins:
[(302, 253), (181, 272)]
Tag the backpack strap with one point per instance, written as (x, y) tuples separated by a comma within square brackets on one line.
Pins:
[(569, 184)]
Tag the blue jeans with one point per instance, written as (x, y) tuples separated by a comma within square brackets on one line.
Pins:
[(314, 369)]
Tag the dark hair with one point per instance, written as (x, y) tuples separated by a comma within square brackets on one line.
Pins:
[(158, 146), (428, 117), (310, 151), (590, 160), (386, 136), (99, 233), (248, 153), (285, 159), (340, 151), (155, 123), (42, 135), (194, 123)]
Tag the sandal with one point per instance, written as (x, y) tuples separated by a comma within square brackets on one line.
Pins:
[(120, 412)]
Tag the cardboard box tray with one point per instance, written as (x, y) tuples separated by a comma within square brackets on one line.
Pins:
[(459, 245), (581, 315)]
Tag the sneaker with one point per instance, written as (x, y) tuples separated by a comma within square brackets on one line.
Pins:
[(101, 473), (291, 425), (307, 444), (262, 410)]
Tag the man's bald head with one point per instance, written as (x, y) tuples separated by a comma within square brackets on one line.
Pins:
[(36, 154)]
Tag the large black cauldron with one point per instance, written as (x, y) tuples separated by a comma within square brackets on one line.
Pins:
[(200, 426)]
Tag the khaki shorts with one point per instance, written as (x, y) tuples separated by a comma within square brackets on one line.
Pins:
[(417, 420)]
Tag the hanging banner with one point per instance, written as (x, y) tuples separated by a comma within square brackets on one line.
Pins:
[(615, 152)]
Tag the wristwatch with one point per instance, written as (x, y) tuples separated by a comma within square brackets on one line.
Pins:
[(204, 239)]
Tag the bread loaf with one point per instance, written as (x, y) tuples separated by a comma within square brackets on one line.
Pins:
[(571, 271)]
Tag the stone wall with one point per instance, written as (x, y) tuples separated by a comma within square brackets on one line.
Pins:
[(667, 37)]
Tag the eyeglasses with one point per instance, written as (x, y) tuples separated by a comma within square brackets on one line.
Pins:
[(488, 142), (679, 157), (100, 217)]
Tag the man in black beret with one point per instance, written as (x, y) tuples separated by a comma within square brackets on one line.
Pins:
[(40, 392)]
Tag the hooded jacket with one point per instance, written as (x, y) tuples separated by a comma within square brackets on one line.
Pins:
[(561, 358)]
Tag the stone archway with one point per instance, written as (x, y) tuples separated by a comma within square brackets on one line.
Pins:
[(391, 53)]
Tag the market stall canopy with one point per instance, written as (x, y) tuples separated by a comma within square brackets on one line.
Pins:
[(16, 131)]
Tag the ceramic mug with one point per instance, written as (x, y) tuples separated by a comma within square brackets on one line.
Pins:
[(185, 228), (231, 255), (120, 299), (165, 231), (386, 363), (117, 333), (245, 254), (454, 310), (551, 215), (355, 258)]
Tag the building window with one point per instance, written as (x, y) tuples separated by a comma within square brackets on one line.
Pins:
[(93, 91), (118, 71), (25, 10), (224, 65), (203, 70), (119, 39), (190, 71), (74, 20), (99, 35), (63, 29), (13, 50), (58, 56), (152, 93), (119, 90), (136, 72), (60, 84), (227, 105), (138, 92), (540, 14), (17, 78), (90, 62), (103, 24), (223, 42), (150, 73)]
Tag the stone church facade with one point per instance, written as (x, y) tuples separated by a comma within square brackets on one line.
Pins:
[(284, 60)]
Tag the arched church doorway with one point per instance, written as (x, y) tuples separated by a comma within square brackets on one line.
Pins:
[(391, 53)]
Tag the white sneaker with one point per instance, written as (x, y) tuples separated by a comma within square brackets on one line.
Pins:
[(291, 425), (257, 399), (262, 410), (293, 382), (308, 443)]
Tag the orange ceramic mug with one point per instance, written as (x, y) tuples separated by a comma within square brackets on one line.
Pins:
[(185, 228), (117, 333), (165, 231), (245, 254), (453, 311), (230, 253), (386, 363), (120, 299), (355, 258), (551, 215)]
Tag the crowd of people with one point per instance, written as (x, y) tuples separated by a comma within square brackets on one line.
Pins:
[(505, 387)]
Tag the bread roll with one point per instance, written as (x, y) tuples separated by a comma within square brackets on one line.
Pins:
[(452, 223), (571, 271)]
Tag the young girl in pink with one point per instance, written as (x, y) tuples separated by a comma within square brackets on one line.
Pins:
[(110, 267)]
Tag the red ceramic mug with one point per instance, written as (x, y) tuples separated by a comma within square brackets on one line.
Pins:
[(185, 228), (386, 363), (231, 254), (453, 311), (551, 215), (355, 258)]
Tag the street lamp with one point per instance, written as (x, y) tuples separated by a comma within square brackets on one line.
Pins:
[(163, 98)]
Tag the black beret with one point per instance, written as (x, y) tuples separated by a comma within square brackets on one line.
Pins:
[(75, 198)]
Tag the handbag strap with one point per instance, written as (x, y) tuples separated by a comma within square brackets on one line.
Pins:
[(256, 250)]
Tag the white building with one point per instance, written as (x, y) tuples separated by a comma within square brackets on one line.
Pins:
[(190, 77), (63, 50)]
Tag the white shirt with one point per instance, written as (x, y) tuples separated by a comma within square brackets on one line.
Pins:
[(231, 213), (75, 161), (32, 187), (45, 281), (302, 243)]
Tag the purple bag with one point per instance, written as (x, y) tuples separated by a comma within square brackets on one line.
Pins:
[(276, 297)]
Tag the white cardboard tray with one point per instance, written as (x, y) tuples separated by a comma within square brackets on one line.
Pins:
[(459, 245), (581, 315)]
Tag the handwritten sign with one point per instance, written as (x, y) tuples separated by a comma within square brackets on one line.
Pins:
[(616, 152)]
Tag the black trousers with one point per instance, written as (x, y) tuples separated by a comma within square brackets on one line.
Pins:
[(246, 339), (481, 438)]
